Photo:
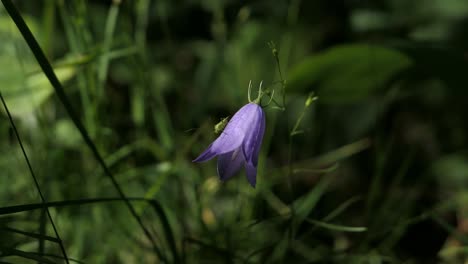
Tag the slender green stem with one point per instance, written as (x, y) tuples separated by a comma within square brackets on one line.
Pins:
[(308, 102), (274, 50), (290, 174)]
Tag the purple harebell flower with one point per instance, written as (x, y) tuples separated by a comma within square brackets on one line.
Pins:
[(239, 144)]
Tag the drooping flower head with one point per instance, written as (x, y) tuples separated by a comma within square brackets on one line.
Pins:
[(239, 144)]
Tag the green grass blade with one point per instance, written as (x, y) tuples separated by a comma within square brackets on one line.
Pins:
[(167, 229), (336, 227), (342, 208), (109, 32), (59, 257), (33, 175), (305, 204), (35, 206), (30, 234), (48, 71), (26, 255)]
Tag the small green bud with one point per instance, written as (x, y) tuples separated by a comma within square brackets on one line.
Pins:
[(273, 48), (311, 98)]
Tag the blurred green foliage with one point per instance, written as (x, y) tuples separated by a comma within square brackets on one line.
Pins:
[(334, 70), (374, 171)]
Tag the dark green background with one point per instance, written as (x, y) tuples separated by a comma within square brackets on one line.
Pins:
[(376, 173)]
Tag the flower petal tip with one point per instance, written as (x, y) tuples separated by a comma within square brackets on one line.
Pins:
[(206, 155), (251, 173)]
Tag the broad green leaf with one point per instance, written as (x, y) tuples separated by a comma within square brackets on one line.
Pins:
[(347, 73)]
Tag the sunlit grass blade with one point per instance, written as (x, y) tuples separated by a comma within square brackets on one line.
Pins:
[(336, 227)]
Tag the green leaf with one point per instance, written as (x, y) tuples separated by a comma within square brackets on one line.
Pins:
[(348, 73)]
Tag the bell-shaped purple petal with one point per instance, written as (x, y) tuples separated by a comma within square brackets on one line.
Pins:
[(226, 142), (239, 144), (233, 135), (230, 163), (253, 141)]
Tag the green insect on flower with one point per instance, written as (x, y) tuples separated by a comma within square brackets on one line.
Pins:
[(219, 127)]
